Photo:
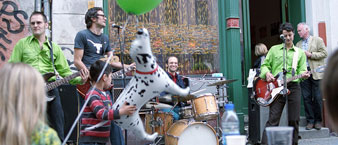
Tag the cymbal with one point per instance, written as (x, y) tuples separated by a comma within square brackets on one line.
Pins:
[(157, 105), (220, 83)]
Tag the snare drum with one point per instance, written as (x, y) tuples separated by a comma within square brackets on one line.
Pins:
[(184, 132), (186, 112), (161, 122), (205, 107)]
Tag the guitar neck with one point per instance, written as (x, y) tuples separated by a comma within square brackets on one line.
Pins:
[(294, 78), (57, 83), (120, 72)]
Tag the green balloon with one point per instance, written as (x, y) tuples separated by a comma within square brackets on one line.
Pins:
[(138, 7)]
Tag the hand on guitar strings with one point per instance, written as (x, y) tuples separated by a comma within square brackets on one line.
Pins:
[(306, 74), (84, 73), (269, 77)]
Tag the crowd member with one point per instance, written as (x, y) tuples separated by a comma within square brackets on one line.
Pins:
[(91, 45), (172, 71), (35, 50), (23, 107), (329, 85), (260, 52), (315, 52), (272, 65), (99, 107)]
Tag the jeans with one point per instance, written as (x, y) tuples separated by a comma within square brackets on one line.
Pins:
[(312, 100), (116, 135), (55, 114)]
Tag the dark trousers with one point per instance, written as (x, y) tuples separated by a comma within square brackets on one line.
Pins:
[(116, 135), (276, 110), (312, 100), (55, 114)]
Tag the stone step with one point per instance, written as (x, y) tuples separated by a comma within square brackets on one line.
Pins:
[(319, 141), (313, 133)]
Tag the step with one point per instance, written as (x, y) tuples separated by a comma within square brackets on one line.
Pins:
[(313, 133), (319, 141)]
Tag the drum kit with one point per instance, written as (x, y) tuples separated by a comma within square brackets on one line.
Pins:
[(194, 126)]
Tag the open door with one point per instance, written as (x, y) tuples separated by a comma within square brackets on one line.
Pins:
[(294, 13)]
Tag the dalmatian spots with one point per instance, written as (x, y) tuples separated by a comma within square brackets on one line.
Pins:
[(141, 92)]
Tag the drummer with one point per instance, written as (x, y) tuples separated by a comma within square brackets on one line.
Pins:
[(172, 71)]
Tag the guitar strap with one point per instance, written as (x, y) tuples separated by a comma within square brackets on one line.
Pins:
[(50, 46), (294, 62), (103, 46)]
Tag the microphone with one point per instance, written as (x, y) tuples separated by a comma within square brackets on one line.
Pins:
[(116, 26), (281, 36)]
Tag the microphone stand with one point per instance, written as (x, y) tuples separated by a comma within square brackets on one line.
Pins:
[(285, 89), (123, 72)]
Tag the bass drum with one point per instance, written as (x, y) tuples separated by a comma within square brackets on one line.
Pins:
[(184, 132)]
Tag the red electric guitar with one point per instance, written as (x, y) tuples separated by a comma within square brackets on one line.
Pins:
[(83, 89), (267, 92)]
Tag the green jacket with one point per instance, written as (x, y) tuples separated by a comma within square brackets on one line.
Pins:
[(28, 51)]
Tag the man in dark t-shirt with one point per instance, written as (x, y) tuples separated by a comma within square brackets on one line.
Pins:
[(90, 45)]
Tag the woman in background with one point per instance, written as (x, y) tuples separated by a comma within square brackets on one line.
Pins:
[(23, 107), (260, 52)]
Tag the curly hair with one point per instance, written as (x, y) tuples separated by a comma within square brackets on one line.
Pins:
[(91, 13)]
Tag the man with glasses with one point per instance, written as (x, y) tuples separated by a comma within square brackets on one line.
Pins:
[(90, 45)]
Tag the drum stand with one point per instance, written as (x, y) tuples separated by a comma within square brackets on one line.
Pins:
[(155, 123), (220, 103)]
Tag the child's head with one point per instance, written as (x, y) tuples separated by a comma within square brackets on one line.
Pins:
[(260, 49), (22, 105), (95, 70)]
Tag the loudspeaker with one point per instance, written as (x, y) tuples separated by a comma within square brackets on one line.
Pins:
[(258, 116), (254, 120), (70, 105)]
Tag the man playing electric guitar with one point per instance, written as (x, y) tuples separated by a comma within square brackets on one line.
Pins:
[(90, 45), (36, 51), (295, 65)]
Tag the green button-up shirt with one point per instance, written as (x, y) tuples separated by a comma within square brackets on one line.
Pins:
[(28, 51), (274, 62)]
